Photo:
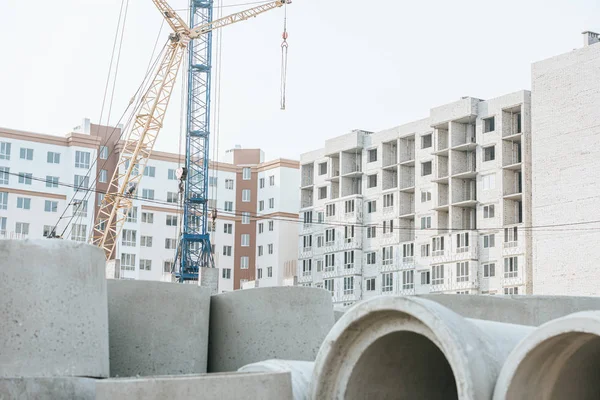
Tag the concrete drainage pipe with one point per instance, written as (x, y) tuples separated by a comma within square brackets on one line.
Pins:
[(559, 360), (407, 347)]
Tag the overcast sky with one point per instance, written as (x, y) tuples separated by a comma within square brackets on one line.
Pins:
[(352, 64)]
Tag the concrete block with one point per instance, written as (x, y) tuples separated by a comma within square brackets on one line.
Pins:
[(301, 373), (228, 386), (408, 347), (209, 278), (157, 328), (56, 388), (522, 310), (254, 325), (53, 312), (559, 360)]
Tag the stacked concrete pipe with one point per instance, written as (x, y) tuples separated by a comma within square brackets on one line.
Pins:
[(407, 347), (560, 360)]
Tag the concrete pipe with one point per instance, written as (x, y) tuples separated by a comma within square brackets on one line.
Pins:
[(407, 347), (301, 372), (53, 313), (559, 360), (157, 328), (248, 326)]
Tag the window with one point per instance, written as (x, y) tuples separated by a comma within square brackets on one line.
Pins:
[(370, 284), (81, 182), (320, 217), (272, 202), (488, 211), (145, 265), (22, 228), (371, 258), (260, 250), (245, 240), (489, 153), (148, 218), (437, 275), (510, 235), (103, 177), (329, 262), (425, 250), (426, 141), (4, 175), (387, 255), (259, 273), (462, 272), (462, 241), (82, 159), (511, 290), (372, 181), (307, 217), (322, 192), (246, 195), (330, 210), (261, 183), (51, 181), (229, 184), (172, 174), (330, 235), (270, 247), (132, 215), (148, 194), (228, 228), (511, 267), (212, 181), (349, 206), (103, 152), (48, 229), (328, 285), (246, 173), (227, 251), (489, 181), (425, 196), (170, 244), (425, 278), (229, 206), (244, 262), (53, 158), (3, 200), (128, 237), (272, 180), (4, 151), (388, 200), (387, 282), (426, 168), (437, 244), (349, 233), (261, 205), (50, 206), (426, 222), (146, 241), (371, 206), (167, 267), (408, 251), (271, 224), (306, 267), (269, 272), (307, 241), (78, 232), (323, 168), (24, 203), (348, 285), (261, 228), (127, 262), (171, 220), (489, 124), (371, 232), (226, 273), (172, 197), (349, 259), (489, 270), (489, 241), (371, 155), (388, 227), (26, 154), (408, 280), (245, 218), (25, 178)]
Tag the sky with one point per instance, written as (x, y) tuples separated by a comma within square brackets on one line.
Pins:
[(352, 64)]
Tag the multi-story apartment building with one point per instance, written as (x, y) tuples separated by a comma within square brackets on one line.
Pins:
[(436, 205), (253, 237)]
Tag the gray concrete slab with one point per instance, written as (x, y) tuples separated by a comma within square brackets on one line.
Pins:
[(55, 388), (253, 325), (157, 328), (53, 309), (227, 386)]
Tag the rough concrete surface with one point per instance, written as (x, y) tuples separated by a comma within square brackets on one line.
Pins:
[(559, 360), (157, 328), (56, 388), (395, 347), (253, 325), (301, 372), (53, 312), (521, 310), (227, 386)]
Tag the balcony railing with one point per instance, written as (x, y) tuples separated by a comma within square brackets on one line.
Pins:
[(438, 253), (408, 260), (508, 245)]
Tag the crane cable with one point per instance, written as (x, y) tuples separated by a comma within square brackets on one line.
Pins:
[(284, 56)]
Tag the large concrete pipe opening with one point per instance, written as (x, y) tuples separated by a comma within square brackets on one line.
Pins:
[(560, 360), (408, 347), (402, 365)]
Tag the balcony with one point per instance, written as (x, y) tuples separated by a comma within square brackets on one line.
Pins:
[(307, 172), (464, 167), (463, 136), (305, 277), (512, 124), (441, 174), (408, 291), (407, 151), (441, 142), (390, 155), (407, 183)]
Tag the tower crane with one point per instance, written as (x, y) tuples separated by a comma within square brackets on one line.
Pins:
[(140, 139)]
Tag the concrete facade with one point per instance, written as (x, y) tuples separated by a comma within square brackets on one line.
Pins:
[(566, 158), (432, 206)]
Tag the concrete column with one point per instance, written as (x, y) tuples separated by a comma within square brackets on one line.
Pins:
[(53, 312), (407, 347), (157, 328), (248, 326), (301, 372), (559, 360)]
